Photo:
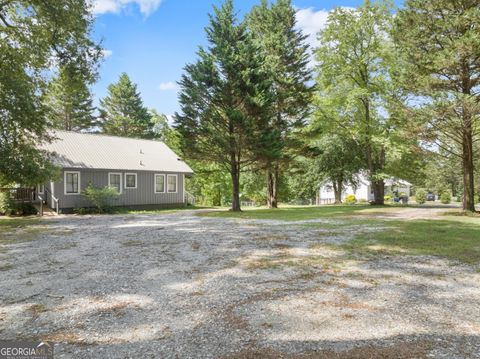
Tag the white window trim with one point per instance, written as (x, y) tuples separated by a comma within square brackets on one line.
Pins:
[(136, 180), (65, 183), (39, 187), (155, 183), (121, 181), (176, 183)]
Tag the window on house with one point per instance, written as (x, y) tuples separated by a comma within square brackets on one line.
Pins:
[(41, 189), (72, 182), (130, 180), (172, 183), (115, 181), (159, 183)]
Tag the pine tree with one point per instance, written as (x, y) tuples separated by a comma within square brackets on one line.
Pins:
[(286, 55), (224, 97), (123, 112), (441, 43), (69, 101)]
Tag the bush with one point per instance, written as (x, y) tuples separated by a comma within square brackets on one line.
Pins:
[(101, 198), (446, 197), (350, 199), (7, 205), (421, 196), (362, 200), (387, 198)]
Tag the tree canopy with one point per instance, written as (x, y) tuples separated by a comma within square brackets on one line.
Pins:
[(36, 37), (123, 112)]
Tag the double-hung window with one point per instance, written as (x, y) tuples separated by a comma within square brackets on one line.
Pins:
[(115, 181), (71, 182), (159, 183), (172, 183), (130, 180)]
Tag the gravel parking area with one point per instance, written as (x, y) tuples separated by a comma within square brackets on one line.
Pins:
[(183, 286)]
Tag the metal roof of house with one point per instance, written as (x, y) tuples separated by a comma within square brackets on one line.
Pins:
[(96, 151)]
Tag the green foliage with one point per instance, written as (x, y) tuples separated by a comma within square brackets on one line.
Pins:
[(285, 54), (35, 37), (101, 198), (446, 197), (387, 198), (210, 185), (7, 205), (123, 112), (69, 101), (350, 199), (355, 85), (225, 97), (440, 42), (420, 196), (161, 130)]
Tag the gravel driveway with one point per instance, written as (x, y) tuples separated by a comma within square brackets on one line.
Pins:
[(183, 286)]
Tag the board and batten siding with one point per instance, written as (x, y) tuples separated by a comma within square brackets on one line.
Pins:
[(143, 195)]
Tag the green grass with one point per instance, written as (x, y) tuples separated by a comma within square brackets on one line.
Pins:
[(302, 213), (456, 238), (23, 229)]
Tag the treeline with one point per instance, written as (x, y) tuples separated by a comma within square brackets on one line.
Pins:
[(264, 118), (395, 93)]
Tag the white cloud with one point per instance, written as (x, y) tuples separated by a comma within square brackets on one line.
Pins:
[(166, 86), (106, 53), (115, 6), (311, 22)]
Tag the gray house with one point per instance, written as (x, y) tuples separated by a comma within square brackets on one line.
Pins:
[(146, 173)]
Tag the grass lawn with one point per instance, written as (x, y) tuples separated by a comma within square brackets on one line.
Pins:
[(452, 236), (302, 212), (456, 238)]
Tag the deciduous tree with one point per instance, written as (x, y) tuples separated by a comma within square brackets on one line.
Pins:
[(36, 37), (355, 65)]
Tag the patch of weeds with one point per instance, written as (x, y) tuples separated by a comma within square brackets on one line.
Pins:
[(37, 309), (133, 243), (195, 246), (6, 267), (67, 246), (271, 237)]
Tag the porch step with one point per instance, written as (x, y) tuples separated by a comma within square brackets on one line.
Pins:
[(47, 211)]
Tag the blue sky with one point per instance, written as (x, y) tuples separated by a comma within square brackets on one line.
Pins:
[(152, 40)]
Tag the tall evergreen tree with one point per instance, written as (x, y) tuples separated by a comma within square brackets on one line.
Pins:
[(286, 55), (223, 98), (123, 112), (355, 84), (36, 36), (69, 101), (441, 43)]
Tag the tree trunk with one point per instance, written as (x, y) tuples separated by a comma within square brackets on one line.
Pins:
[(378, 192), (235, 174), (468, 171), (337, 190), (272, 177)]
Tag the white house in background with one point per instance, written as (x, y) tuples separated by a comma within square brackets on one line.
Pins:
[(363, 190)]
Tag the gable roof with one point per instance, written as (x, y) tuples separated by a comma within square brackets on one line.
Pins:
[(96, 151)]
